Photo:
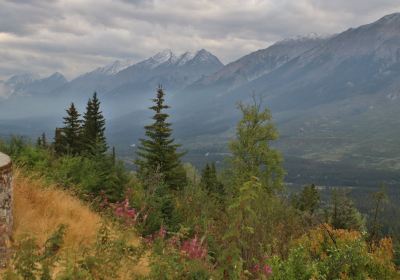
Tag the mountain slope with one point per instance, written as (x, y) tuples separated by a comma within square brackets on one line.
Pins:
[(345, 83), (261, 62), (333, 98), (28, 84), (122, 85), (133, 87)]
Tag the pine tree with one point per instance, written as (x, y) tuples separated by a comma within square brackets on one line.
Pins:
[(43, 140), (380, 198), (39, 142), (158, 152), (113, 156), (206, 176), (342, 214), (72, 131), (307, 200), (59, 141), (93, 138), (209, 180)]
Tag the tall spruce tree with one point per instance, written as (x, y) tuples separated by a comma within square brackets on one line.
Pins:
[(307, 200), (209, 180), (44, 140), (59, 141), (72, 131), (93, 138), (39, 142), (342, 214), (158, 152)]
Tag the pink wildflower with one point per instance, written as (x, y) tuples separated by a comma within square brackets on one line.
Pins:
[(256, 268), (194, 249), (267, 270), (162, 232), (123, 210)]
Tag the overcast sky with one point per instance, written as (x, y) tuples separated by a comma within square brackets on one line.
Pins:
[(75, 36)]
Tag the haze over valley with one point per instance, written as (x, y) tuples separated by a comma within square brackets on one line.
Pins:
[(329, 95), (179, 139)]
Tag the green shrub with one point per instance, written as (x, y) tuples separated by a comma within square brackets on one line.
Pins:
[(89, 175), (325, 253), (102, 260)]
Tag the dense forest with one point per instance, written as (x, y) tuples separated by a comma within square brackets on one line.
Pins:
[(239, 221)]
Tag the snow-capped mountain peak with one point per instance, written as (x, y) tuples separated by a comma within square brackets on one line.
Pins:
[(184, 58), (390, 19), (164, 56), (57, 76), (199, 56), (22, 79), (203, 54), (115, 67)]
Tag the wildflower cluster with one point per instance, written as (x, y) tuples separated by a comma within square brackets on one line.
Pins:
[(265, 270), (262, 268), (124, 211), (121, 210), (194, 248)]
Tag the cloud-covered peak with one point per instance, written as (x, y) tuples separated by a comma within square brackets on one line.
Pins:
[(164, 56), (185, 57), (57, 76), (22, 79), (300, 39), (114, 67), (204, 55), (201, 56), (391, 18), (77, 36)]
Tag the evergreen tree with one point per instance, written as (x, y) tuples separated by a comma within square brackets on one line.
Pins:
[(308, 200), (59, 141), (39, 142), (380, 198), (72, 131), (43, 140), (206, 176), (209, 180), (158, 152), (342, 214), (113, 156), (93, 138)]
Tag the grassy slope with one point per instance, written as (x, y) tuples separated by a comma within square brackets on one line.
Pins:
[(39, 210)]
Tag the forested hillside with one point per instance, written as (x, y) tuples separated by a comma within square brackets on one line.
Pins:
[(333, 97), (235, 222)]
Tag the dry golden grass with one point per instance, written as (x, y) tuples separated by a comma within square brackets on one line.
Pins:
[(39, 210)]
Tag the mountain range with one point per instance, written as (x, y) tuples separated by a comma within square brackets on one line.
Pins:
[(335, 99)]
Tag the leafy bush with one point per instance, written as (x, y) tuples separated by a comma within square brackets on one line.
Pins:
[(179, 257), (102, 260), (326, 253), (89, 175)]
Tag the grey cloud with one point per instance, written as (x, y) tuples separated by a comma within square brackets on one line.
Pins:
[(23, 17), (75, 36)]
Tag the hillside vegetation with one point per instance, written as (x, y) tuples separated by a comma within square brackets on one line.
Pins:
[(40, 208), (236, 223)]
